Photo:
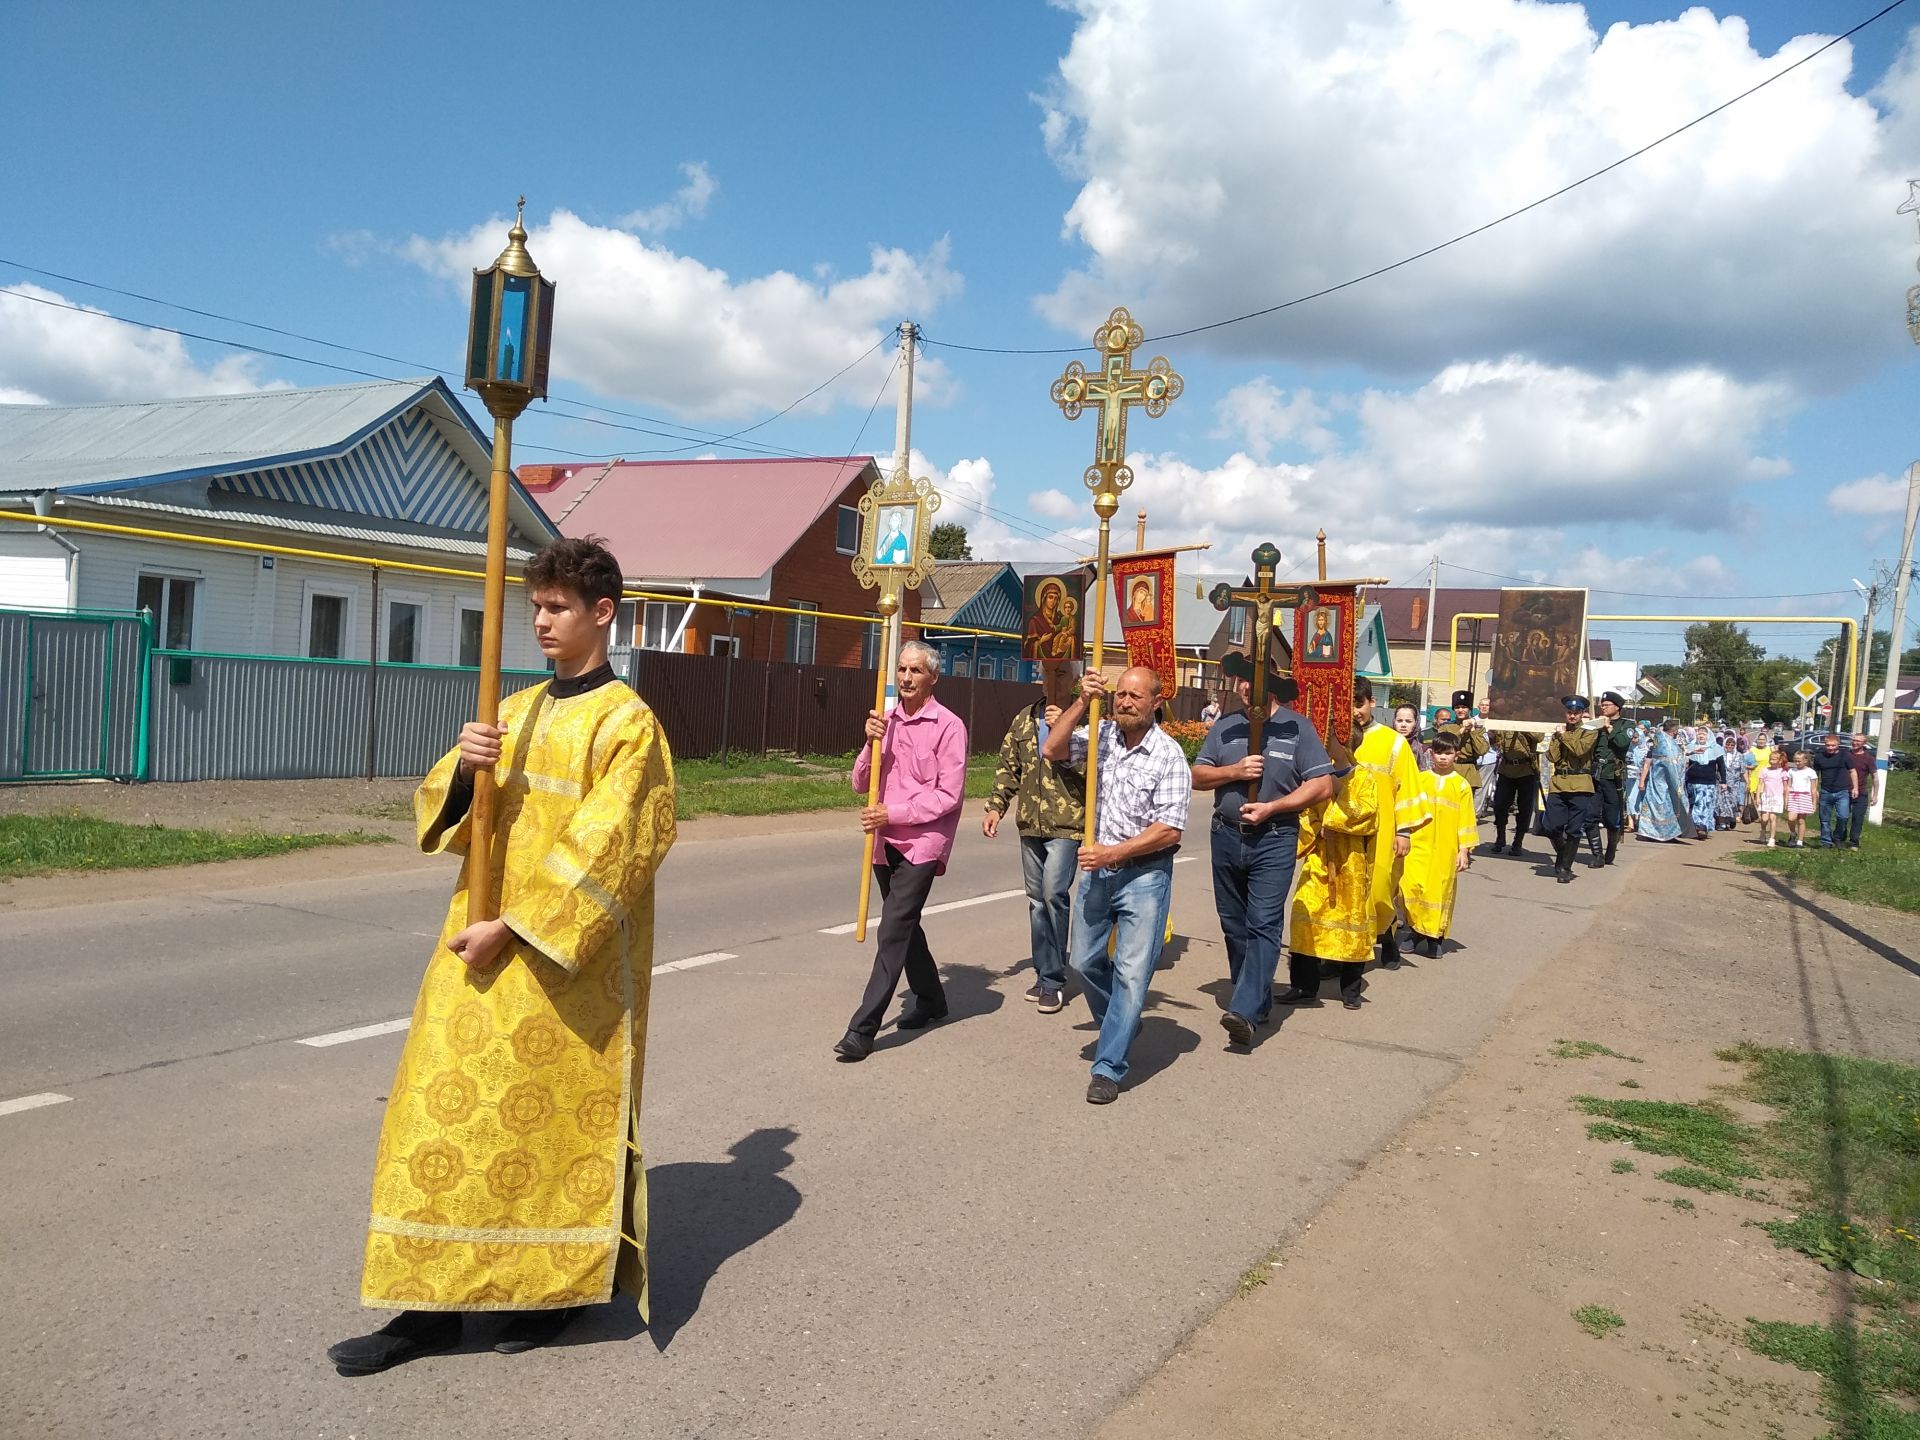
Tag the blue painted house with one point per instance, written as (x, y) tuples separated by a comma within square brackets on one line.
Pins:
[(984, 594), (388, 470)]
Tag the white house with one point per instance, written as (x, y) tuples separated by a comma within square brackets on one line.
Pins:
[(383, 470)]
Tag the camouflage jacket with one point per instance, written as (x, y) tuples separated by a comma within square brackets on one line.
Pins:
[(1052, 795)]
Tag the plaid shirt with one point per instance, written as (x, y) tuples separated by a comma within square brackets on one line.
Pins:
[(1139, 785)]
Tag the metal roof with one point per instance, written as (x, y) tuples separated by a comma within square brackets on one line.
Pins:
[(957, 583), (297, 520)]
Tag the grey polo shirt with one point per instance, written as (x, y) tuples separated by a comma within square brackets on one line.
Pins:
[(1294, 755)]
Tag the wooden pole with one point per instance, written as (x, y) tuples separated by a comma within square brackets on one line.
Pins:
[(889, 604), (481, 901)]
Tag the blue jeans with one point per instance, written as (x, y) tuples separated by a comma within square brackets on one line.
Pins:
[(1047, 866), (1836, 809), (1131, 903), (1250, 880)]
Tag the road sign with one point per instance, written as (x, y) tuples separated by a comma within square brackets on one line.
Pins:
[(1825, 711), (1807, 688)]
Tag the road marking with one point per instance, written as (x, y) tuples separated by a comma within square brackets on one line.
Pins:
[(359, 1032), (849, 928), (31, 1102), (712, 957)]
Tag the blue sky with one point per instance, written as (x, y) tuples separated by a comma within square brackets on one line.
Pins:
[(1655, 386)]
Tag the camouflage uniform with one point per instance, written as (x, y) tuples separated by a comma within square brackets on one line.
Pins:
[(1052, 814)]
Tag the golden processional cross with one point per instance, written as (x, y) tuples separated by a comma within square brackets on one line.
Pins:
[(1112, 390), (1262, 597)]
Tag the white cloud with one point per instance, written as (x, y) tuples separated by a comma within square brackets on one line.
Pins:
[(66, 357), (995, 531), (1873, 495), (1657, 572), (1264, 416), (1234, 153), (689, 202), (654, 327)]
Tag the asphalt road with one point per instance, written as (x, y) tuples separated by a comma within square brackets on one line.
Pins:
[(944, 1241)]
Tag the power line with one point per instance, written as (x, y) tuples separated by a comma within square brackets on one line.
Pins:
[(1457, 239)]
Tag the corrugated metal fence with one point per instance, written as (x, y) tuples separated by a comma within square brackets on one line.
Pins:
[(70, 694)]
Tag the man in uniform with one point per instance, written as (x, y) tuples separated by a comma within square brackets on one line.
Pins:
[(1402, 806), (1516, 786), (1470, 739), (1254, 840), (1610, 773), (1573, 808)]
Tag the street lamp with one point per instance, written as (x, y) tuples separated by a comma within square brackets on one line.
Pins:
[(509, 340)]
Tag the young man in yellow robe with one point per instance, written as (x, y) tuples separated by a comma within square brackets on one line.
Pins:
[(1332, 923), (1403, 810), (508, 1174), (1441, 849)]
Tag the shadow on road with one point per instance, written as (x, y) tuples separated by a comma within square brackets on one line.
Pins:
[(1802, 901), (1160, 1042)]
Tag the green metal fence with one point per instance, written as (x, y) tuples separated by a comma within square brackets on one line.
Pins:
[(74, 695)]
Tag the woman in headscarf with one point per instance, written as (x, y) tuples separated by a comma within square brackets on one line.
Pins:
[(1636, 766), (1658, 814), (1406, 720), (1706, 777), (1733, 794)]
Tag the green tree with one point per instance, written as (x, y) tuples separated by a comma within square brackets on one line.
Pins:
[(1876, 663), (1720, 658), (949, 542)]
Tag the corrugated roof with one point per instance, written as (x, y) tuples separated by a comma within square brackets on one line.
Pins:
[(1405, 610), (701, 519), (298, 520), (957, 582)]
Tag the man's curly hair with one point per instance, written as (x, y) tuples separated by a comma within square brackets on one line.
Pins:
[(583, 565)]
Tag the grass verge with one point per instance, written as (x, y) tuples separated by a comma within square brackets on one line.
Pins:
[(1586, 1049), (784, 785), (44, 844), (1597, 1320), (1880, 872)]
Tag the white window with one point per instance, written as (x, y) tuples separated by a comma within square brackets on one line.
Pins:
[(327, 621), (846, 530), (988, 670), (724, 645), (657, 624), (171, 598), (623, 618), (467, 639), (1237, 625), (960, 661), (405, 630), (801, 633), (870, 642)]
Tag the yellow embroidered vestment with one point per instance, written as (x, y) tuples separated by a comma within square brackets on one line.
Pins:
[(1403, 807), (1431, 873), (1333, 903)]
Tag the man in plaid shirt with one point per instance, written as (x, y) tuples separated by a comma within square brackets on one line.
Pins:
[(1140, 810)]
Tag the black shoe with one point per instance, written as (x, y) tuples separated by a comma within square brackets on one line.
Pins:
[(918, 1015), (410, 1334), (1565, 877), (1294, 995), (1613, 845), (854, 1046), (1102, 1091), (1515, 851), (534, 1329), (1352, 1002), (1239, 1029)]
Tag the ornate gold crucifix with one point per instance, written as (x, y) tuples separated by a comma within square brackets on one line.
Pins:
[(1262, 597)]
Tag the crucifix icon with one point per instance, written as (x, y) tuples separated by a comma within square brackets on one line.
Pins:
[(1112, 390), (1262, 597)]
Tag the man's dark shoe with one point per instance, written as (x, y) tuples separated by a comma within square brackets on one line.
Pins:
[(852, 1046), (534, 1329), (1565, 877), (1295, 995), (1352, 1002), (1102, 1090), (408, 1335), (1239, 1029), (1033, 992), (1515, 850), (918, 1015), (1049, 1001)]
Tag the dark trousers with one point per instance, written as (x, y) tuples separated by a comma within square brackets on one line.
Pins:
[(1570, 816), (1613, 810), (1251, 874), (1520, 794), (902, 943), (1856, 826), (1304, 972)]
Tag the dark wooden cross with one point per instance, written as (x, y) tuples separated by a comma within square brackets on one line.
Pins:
[(1262, 597)]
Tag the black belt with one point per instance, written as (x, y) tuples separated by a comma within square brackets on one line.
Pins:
[(1244, 830), (1148, 859)]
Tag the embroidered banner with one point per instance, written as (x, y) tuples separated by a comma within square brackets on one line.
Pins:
[(1326, 639), (1143, 593), (1051, 610)]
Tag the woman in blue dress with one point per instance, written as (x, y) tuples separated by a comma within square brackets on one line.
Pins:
[(1706, 777), (1636, 766), (1657, 816)]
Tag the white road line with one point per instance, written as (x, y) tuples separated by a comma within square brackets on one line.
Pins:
[(359, 1032), (849, 928), (712, 957), (31, 1102)]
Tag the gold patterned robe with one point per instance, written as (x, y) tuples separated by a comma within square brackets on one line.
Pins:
[(1431, 874), (1403, 807), (1333, 903), (504, 1176)]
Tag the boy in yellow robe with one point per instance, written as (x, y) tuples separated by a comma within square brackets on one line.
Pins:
[(508, 1174), (1441, 849), (1403, 810), (1332, 920)]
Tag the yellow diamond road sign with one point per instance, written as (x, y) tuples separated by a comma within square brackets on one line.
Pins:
[(1806, 689)]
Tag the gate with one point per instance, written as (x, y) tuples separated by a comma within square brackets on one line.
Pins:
[(73, 697)]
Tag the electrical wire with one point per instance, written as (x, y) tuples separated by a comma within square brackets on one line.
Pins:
[(1465, 235)]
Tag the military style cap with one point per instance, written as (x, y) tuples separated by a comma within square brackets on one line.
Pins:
[(1573, 702), (1615, 696), (1463, 699)]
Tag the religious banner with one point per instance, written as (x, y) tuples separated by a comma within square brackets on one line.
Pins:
[(1051, 608), (1326, 647), (1538, 647), (1143, 593)]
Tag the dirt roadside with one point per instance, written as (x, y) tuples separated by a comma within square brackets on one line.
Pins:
[(1433, 1295)]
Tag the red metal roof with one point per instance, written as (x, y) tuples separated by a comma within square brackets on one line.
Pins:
[(696, 519)]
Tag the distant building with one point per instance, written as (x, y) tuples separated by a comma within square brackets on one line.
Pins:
[(982, 595)]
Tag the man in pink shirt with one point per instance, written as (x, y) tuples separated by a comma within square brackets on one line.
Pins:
[(923, 773)]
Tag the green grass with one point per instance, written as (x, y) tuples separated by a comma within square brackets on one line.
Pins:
[(1583, 1049), (1680, 1202), (1704, 1133), (784, 785), (1695, 1178), (1857, 1366), (1597, 1320), (45, 844), (1880, 872), (1624, 1166)]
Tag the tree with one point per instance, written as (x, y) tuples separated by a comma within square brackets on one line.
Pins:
[(1720, 658), (1876, 662), (949, 542)]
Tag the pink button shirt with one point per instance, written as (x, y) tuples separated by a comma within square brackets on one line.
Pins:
[(923, 776)]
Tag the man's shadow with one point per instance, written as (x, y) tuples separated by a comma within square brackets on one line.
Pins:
[(700, 1215), (1160, 1042), (970, 993)]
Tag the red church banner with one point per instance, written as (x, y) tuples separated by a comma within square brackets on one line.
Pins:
[(1143, 593), (1326, 637)]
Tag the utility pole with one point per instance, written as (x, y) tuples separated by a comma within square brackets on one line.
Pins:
[(1857, 702), (902, 460), (1426, 664), (1902, 580)]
